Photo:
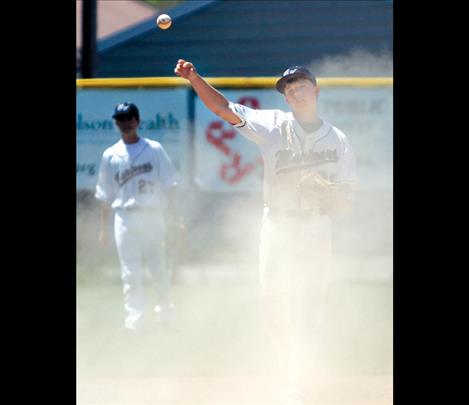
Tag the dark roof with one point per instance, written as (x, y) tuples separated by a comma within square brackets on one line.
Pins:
[(247, 38), (112, 16), (148, 26)]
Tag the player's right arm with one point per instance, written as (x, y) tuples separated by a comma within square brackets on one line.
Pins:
[(104, 220), (105, 195), (211, 97)]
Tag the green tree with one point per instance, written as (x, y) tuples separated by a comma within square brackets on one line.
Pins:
[(163, 4)]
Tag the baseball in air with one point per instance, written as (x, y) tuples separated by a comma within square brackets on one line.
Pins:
[(164, 21)]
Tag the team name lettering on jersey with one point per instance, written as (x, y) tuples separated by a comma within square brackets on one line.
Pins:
[(126, 175), (288, 160)]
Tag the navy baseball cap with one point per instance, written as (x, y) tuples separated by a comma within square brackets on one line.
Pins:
[(126, 109), (294, 72)]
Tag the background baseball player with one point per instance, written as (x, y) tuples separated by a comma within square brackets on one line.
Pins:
[(136, 181), (309, 173)]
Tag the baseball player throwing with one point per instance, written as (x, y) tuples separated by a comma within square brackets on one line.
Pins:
[(136, 181), (309, 174)]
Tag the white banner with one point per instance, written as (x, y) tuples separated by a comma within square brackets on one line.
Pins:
[(225, 161), (163, 115), (365, 115)]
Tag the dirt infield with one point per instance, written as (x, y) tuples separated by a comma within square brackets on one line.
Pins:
[(220, 353), (343, 390)]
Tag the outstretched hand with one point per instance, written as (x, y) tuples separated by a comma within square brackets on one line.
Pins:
[(185, 69)]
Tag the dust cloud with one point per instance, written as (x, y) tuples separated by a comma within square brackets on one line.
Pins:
[(220, 351), (354, 63)]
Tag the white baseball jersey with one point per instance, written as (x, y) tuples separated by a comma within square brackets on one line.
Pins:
[(135, 175), (289, 152), (294, 251), (138, 176)]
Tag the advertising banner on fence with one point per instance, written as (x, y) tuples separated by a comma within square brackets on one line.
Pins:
[(224, 161), (163, 115), (227, 162)]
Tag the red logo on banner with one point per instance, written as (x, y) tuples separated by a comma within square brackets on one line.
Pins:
[(251, 102), (232, 172), (216, 135)]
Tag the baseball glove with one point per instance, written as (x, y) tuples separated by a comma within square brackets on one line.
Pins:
[(315, 189)]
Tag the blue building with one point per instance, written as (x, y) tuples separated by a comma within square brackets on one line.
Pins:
[(248, 38)]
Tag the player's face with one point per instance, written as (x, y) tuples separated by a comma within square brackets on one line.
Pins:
[(301, 94), (127, 124)]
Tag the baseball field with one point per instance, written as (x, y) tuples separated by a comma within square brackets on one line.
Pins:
[(218, 353)]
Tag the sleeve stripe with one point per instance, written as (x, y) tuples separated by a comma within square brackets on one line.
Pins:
[(241, 124)]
